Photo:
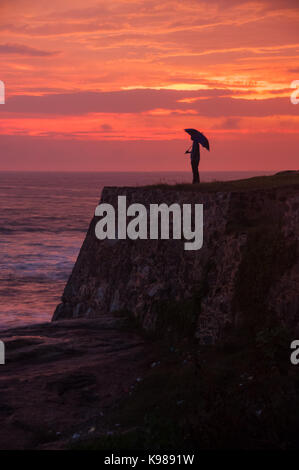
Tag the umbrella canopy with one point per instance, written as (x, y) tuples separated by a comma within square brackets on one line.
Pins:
[(198, 137)]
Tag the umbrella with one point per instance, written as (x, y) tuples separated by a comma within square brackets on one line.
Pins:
[(198, 137)]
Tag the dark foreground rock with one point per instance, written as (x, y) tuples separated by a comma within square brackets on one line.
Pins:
[(99, 384), (60, 379)]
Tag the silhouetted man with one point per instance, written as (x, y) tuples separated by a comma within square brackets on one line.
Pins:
[(194, 157)]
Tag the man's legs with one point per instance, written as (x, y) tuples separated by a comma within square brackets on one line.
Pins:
[(196, 178)]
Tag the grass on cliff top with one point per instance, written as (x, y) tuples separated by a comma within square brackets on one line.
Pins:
[(284, 178)]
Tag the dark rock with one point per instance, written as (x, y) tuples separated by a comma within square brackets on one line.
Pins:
[(58, 376)]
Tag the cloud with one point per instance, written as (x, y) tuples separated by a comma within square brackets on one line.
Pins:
[(21, 49), (231, 107), (124, 101), (229, 123), (106, 128), (210, 103)]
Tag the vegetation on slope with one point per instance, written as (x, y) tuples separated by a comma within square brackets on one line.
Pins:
[(284, 178)]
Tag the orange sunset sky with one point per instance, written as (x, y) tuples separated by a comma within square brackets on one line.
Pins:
[(110, 85)]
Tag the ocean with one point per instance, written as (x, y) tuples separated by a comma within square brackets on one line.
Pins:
[(44, 218)]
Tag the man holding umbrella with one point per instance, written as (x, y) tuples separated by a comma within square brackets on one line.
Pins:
[(198, 138)]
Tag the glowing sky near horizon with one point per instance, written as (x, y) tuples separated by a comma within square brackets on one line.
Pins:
[(97, 85)]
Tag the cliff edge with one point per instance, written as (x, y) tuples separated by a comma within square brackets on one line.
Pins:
[(246, 273)]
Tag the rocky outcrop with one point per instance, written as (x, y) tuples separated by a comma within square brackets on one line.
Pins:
[(60, 380), (247, 268)]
